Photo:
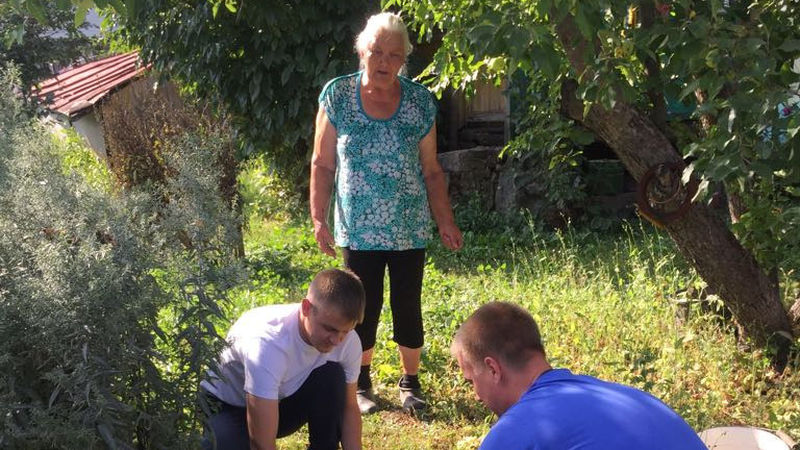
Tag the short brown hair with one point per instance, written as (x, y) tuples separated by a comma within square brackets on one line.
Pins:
[(501, 330), (340, 289)]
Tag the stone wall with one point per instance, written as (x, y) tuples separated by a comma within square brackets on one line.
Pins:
[(509, 185), (470, 171)]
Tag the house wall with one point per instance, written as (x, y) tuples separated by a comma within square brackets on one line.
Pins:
[(90, 128), (489, 100), (490, 104)]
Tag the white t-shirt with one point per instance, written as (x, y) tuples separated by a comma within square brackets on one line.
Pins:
[(266, 356)]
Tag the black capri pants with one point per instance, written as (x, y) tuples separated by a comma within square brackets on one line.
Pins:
[(405, 289)]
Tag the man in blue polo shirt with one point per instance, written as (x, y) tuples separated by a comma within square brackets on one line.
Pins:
[(500, 352)]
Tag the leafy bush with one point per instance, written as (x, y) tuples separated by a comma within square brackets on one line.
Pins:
[(106, 318), (265, 196)]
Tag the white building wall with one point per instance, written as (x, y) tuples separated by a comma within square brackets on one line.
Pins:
[(91, 130)]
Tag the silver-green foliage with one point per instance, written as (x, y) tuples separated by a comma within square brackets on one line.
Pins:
[(106, 314)]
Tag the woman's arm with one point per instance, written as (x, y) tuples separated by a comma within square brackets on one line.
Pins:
[(437, 192), (323, 168)]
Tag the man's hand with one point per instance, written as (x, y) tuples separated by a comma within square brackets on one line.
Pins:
[(351, 420)]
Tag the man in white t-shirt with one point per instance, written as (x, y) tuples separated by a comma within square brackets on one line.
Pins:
[(288, 365)]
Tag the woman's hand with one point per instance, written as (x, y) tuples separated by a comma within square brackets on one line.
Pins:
[(323, 168), (325, 240), (451, 236)]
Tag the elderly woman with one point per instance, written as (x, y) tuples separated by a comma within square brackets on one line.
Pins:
[(375, 143)]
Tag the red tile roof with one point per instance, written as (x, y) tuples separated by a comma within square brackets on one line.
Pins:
[(79, 88)]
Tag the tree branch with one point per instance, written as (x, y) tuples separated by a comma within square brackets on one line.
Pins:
[(652, 68)]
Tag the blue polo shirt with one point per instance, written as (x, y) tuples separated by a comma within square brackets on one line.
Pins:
[(565, 411)]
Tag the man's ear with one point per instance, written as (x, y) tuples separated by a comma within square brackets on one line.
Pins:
[(494, 367), (305, 307)]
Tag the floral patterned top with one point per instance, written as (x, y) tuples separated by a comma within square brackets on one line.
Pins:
[(381, 200)]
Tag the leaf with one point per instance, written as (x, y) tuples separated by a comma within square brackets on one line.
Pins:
[(761, 168), (321, 50), (689, 89), (482, 34), (81, 10), (583, 20), (731, 119), (36, 9), (14, 36), (131, 7), (255, 89), (119, 7), (543, 8), (108, 437), (581, 136), (54, 396), (790, 45), (286, 73)]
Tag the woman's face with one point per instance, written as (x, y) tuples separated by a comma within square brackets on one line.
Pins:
[(383, 58)]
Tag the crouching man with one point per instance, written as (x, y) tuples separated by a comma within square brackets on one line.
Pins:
[(500, 352), (288, 365)]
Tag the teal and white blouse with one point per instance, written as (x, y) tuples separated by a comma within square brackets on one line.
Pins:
[(381, 201)]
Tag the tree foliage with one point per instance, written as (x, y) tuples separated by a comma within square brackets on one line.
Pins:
[(735, 58), (37, 43), (266, 61)]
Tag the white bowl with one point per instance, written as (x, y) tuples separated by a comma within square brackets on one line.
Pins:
[(744, 438)]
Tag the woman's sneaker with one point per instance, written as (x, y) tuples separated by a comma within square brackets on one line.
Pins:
[(412, 400), (366, 401), (411, 394)]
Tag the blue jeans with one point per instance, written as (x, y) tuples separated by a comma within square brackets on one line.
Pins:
[(319, 402)]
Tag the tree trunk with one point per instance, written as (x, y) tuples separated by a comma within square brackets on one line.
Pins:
[(727, 267), (794, 314)]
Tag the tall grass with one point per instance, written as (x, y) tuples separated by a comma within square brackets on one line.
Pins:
[(607, 305)]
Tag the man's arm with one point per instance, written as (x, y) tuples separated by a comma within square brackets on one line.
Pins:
[(323, 168), (351, 421), (437, 192), (262, 422)]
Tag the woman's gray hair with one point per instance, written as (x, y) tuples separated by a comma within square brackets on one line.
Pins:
[(385, 21)]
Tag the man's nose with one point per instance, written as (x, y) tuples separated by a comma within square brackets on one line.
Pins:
[(337, 338)]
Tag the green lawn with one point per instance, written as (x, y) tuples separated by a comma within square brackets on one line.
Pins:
[(606, 307)]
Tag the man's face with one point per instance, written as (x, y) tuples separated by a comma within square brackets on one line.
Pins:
[(323, 327), (483, 383)]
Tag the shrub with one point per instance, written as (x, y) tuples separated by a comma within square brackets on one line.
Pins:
[(106, 320), (264, 195)]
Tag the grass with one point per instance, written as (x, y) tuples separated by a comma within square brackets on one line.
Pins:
[(606, 305)]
